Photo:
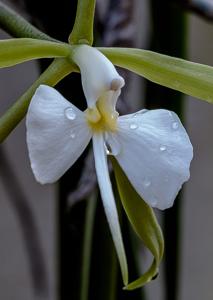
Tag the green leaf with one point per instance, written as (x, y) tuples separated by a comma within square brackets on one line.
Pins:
[(15, 51), (17, 26), (144, 223), (187, 77)]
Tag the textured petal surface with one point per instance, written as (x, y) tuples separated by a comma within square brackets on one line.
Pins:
[(97, 73), (155, 152), (57, 134), (109, 201)]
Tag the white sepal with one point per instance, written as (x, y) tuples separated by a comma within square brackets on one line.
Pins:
[(57, 134), (109, 201), (155, 153), (98, 74)]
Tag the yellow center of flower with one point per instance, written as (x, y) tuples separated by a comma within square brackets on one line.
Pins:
[(103, 116)]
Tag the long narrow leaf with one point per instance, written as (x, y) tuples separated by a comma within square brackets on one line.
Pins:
[(144, 223), (15, 51), (190, 78), (15, 25)]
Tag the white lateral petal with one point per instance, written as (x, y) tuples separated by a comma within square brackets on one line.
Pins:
[(57, 134), (98, 74), (109, 201), (155, 153)]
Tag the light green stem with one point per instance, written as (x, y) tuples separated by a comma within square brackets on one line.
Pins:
[(82, 32), (15, 51), (58, 69), (17, 26), (87, 246)]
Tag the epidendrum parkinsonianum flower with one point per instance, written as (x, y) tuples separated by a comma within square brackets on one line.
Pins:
[(152, 147)]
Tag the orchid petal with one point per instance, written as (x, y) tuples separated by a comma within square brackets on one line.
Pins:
[(57, 134), (98, 74), (109, 201), (155, 153)]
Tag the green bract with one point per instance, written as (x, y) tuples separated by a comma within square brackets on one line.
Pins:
[(178, 74), (144, 223)]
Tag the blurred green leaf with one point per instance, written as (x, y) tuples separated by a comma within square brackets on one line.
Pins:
[(187, 77), (15, 25), (144, 223), (15, 51)]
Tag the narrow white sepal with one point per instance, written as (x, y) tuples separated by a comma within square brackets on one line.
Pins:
[(97, 73), (155, 153), (57, 134), (109, 201)]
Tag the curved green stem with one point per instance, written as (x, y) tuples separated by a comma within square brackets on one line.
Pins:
[(82, 32), (58, 69), (17, 26), (15, 51)]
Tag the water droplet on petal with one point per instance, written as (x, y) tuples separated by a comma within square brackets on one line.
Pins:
[(69, 113), (154, 202), (146, 183), (112, 146), (72, 135), (133, 126), (162, 148), (140, 112), (175, 125), (107, 149), (111, 151)]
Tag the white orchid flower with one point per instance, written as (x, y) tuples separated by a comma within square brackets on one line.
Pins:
[(152, 147)]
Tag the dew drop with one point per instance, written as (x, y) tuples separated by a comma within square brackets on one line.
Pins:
[(146, 183), (133, 126), (72, 135), (175, 125), (107, 149), (154, 202), (162, 148), (69, 113), (140, 112), (112, 146), (115, 150)]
